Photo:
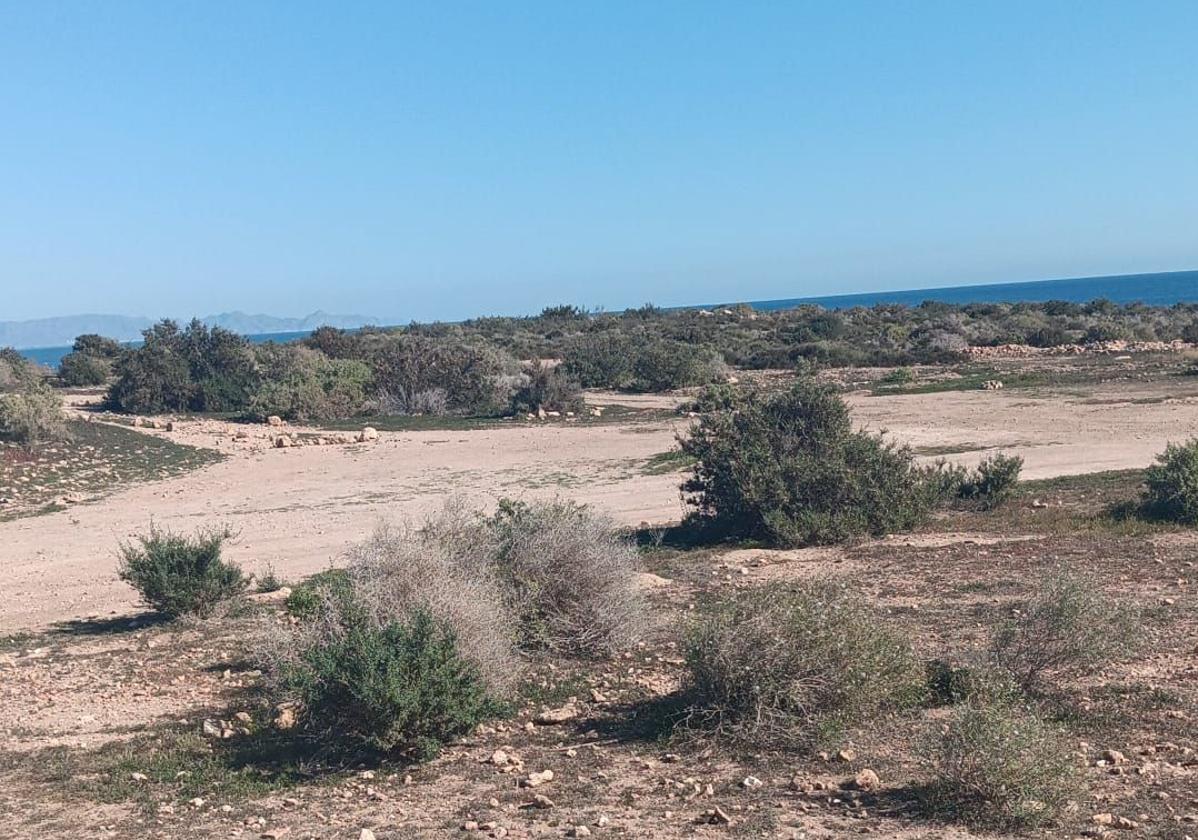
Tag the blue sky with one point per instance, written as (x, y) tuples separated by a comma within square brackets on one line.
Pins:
[(448, 159)]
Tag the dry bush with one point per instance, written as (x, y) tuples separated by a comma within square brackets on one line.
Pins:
[(794, 665), (998, 764), (32, 414), (1068, 628), (570, 577)]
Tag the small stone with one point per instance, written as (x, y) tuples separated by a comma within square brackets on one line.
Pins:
[(470, 825), (549, 717), (138, 777), (1114, 757), (579, 831), (285, 719), (542, 801), (846, 755), (751, 783), (537, 779), (867, 779)]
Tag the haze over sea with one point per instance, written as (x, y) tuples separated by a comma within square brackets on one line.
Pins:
[(1153, 289)]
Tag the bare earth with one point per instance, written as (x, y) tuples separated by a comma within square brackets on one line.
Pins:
[(298, 509)]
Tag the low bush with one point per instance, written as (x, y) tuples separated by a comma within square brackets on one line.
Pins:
[(787, 468), (32, 414), (789, 665), (401, 686), (1067, 628), (569, 577), (548, 388), (998, 764), (410, 646), (178, 575), (991, 483), (469, 374), (1171, 485)]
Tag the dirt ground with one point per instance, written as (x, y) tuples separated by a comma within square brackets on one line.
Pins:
[(101, 706), (297, 509)]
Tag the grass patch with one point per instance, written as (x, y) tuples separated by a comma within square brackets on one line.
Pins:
[(663, 463), (97, 459), (175, 766)]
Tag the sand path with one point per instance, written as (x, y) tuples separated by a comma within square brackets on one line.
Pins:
[(298, 509)]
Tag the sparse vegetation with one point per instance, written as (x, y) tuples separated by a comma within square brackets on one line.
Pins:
[(1067, 628), (999, 764), (787, 468), (180, 575), (788, 665), (991, 483), (569, 577)]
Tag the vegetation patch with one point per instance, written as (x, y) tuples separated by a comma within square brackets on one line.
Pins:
[(94, 460), (178, 575)]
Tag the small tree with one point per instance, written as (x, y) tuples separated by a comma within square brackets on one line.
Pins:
[(789, 469), (178, 575), (991, 483), (1171, 485)]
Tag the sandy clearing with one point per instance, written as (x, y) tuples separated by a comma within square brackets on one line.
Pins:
[(298, 509)]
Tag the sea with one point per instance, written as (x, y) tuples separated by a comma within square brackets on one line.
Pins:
[(1163, 289)]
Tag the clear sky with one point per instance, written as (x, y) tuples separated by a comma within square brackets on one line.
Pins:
[(447, 159)]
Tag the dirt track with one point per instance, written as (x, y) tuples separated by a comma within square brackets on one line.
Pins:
[(298, 509)]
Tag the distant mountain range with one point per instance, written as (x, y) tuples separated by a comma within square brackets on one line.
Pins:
[(55, 332)]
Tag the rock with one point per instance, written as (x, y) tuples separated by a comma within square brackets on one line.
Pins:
[(1125, 824), (1102, 819), (499, 758), (285, 719), (212, 728), (537, 779), (579, 831), (170, 425), (846, 755), (1114, 757), (715, 816), (243, 717), (138, 777), (368, 433), (470, 825), (275, 596), (283, 441), (274, 420), (867, 779), (542, 801), (366, 834), (549, 717), (751, 783)]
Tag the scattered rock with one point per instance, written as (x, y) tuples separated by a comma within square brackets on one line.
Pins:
[(285, 719), (867, 779), (549, 717), (368, 433), (537, 779), (274, 420)]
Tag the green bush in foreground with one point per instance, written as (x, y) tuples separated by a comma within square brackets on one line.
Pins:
[(1171, 485), (178, 575), (787, 468), (1000, 765), (398, 687), (788, 665), (991, 483)]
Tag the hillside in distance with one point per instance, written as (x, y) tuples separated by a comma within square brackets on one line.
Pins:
[(54, 332)]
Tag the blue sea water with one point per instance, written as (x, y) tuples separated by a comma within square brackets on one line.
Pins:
[(1153, 289)]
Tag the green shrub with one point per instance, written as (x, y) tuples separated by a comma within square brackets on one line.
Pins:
[(548, 388), (1067, 628), (469, 376), (306, 598), (1171, 485), (400, 687), (569, 577), (722, 396), (302, 384), (790, 665), (1000, 765), (600, 360), (32, 414), (788, 468), (665, 365), (178, 575), (991, 483), (80, 370), (193, 369)]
